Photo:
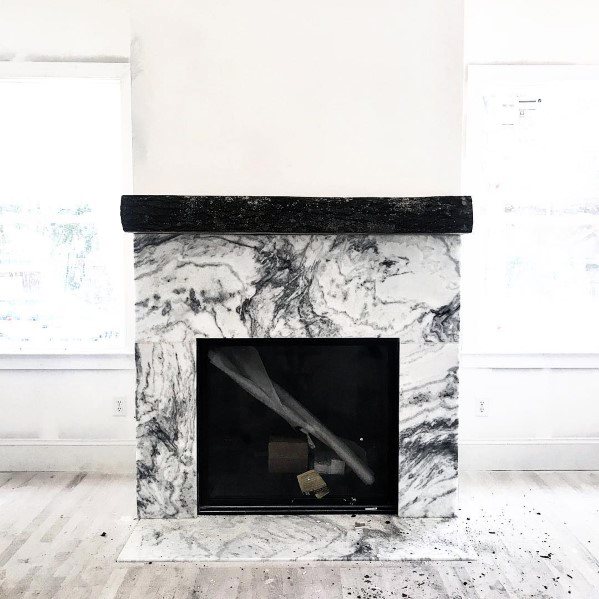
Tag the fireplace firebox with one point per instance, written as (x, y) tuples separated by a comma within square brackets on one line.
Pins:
[(297, 425)]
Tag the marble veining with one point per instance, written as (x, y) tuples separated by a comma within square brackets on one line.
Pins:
[(428, 430), (298, 538), (248, 286), (166, 430), (403, 286)]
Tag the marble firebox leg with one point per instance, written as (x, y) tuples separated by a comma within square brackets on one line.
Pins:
[(428, 430), (166, 430)]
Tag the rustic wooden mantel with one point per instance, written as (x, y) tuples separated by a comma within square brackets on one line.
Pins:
[(296, 215)]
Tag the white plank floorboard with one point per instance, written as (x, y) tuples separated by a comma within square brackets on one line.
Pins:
[(536, 535)]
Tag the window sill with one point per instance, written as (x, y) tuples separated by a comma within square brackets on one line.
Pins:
[(582, 361), (67, 362)]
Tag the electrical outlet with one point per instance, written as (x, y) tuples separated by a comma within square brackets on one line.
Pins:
[(119, 406), (482, 408)]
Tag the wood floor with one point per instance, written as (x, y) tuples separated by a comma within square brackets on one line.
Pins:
[(537, 535)]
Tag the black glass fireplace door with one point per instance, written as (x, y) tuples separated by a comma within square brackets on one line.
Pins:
[(297, 425)]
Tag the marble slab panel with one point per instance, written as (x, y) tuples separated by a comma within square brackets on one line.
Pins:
[(428, 430), (404, 286), (297, 538), (243, 286), (166, 430)]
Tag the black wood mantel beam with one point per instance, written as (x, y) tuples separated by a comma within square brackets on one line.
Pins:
[(295, 215)]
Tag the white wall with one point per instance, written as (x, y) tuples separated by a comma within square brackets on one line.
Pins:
[(237, 97), (311, 98), (538, 418), (38, 30), (546, 416), (62, 418), (531, 32), (266, 97)]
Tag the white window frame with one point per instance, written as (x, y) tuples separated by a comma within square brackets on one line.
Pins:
[(478, 76), (102, 360)]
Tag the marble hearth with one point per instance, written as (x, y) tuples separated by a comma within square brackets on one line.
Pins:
[(199, 283)]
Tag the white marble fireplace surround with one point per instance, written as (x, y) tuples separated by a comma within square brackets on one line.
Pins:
[(250, 286)]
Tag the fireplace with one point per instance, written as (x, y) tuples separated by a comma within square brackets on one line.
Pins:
[(311, 294), (297, 425)]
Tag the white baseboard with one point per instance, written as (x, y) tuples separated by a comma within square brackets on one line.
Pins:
[(114, 456), (118, 455), (577, 453)]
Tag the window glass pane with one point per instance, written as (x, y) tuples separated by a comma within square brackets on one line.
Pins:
[(531, 268), (61, 246)]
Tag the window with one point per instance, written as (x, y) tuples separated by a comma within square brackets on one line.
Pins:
[(531, 268), (63, 255)]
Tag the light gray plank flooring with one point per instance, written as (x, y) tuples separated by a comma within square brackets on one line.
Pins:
[(537, 535)]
